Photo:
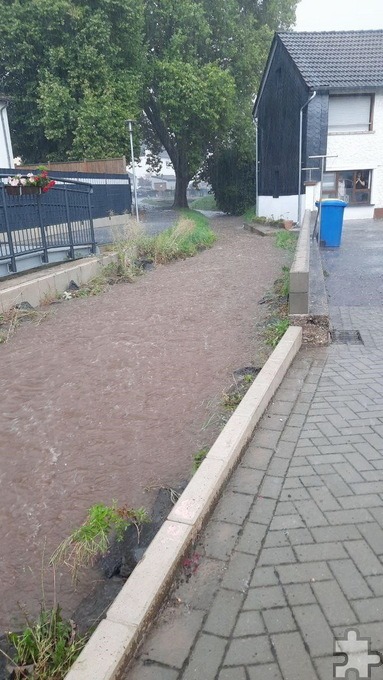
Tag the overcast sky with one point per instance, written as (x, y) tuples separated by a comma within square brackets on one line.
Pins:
[(339, 15)]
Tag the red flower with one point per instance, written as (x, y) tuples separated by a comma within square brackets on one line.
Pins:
[(49, 186)]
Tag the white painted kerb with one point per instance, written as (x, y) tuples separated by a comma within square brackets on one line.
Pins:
[(115, 639)]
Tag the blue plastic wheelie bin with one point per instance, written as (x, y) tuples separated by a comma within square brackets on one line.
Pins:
[(331, 224)]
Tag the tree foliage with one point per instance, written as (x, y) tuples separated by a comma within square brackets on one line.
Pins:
[(78, 69), (72, 75)]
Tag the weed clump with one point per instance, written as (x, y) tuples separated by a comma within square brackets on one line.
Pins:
[(92, 539), (46, 648)]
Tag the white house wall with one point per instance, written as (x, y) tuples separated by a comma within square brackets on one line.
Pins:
[(361, 151), (285, 207), (6, 153)]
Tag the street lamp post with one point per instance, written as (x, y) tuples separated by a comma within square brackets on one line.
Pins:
[(130, 127)]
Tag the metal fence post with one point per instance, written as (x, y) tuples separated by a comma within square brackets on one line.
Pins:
[(9, 232), (70, 234), (93, 241), (42, 230)]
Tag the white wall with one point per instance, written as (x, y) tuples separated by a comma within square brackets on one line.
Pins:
[(285, 207), (6, 153), (361, 151)]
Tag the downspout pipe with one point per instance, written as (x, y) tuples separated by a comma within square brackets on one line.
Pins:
[(300, 155), (256, 167), (5, 135)]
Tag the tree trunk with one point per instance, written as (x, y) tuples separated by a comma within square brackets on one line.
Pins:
[(180, 197)]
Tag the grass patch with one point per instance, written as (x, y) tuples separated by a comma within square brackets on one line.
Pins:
[(46, 648), (191, 234), (286, 240), (204, 203), (92, 538), (198, 458), (11, 320), (275, 330)]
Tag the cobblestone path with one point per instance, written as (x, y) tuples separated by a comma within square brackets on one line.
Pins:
[(293, 555)]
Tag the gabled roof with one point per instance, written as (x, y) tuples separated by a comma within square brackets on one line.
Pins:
[(337, 59)]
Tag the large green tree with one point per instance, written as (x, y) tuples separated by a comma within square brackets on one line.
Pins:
[(78, 68), (73, 71)]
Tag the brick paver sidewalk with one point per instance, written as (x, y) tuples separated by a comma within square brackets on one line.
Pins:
[(292, 556)]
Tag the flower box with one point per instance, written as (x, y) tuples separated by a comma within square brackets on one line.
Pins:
[(22, 191)]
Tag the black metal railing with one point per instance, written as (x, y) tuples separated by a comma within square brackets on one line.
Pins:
[(32, 221)]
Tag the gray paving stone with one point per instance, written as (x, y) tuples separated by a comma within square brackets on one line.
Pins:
[(350, 580), (335, 533), (337, 485), (266, 439), (347, 472), (320, 551), (301, 573), (264, 598), (262, 510), (280, 407), (271, 487), (264, 576), (198, 592), (358, 461), (182, 629), (206, 658), (295, 495), (249, 623), (246, 481), (364, 558), (310, 513), (257, 458), (369, 610), (300, 593), (219, 539), (325, 668), (278, 466), (264, 672), (333, 603), (376, 585), (224, 612), (284, 508), (233, 508), (141, 672), (369, 501), (276, 539), (233, 674), (284, 522), (373, 534), (368, 451), (251, 539), (345, 516), (301, 471), (315, 629), (293, 658), (285, 449), (247, 651), (283, 555), (291, 434), (324, 498), (325, 459), (299, 536), (239, 570), (377, 513), (279, 620)]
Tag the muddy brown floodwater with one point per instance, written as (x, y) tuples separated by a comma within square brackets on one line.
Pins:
[(107, 396)]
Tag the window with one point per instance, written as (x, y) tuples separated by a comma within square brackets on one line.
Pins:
[(352, 186), (350, 114)]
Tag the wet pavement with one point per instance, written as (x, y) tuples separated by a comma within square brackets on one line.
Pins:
[(292, 558), (354, 271)]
